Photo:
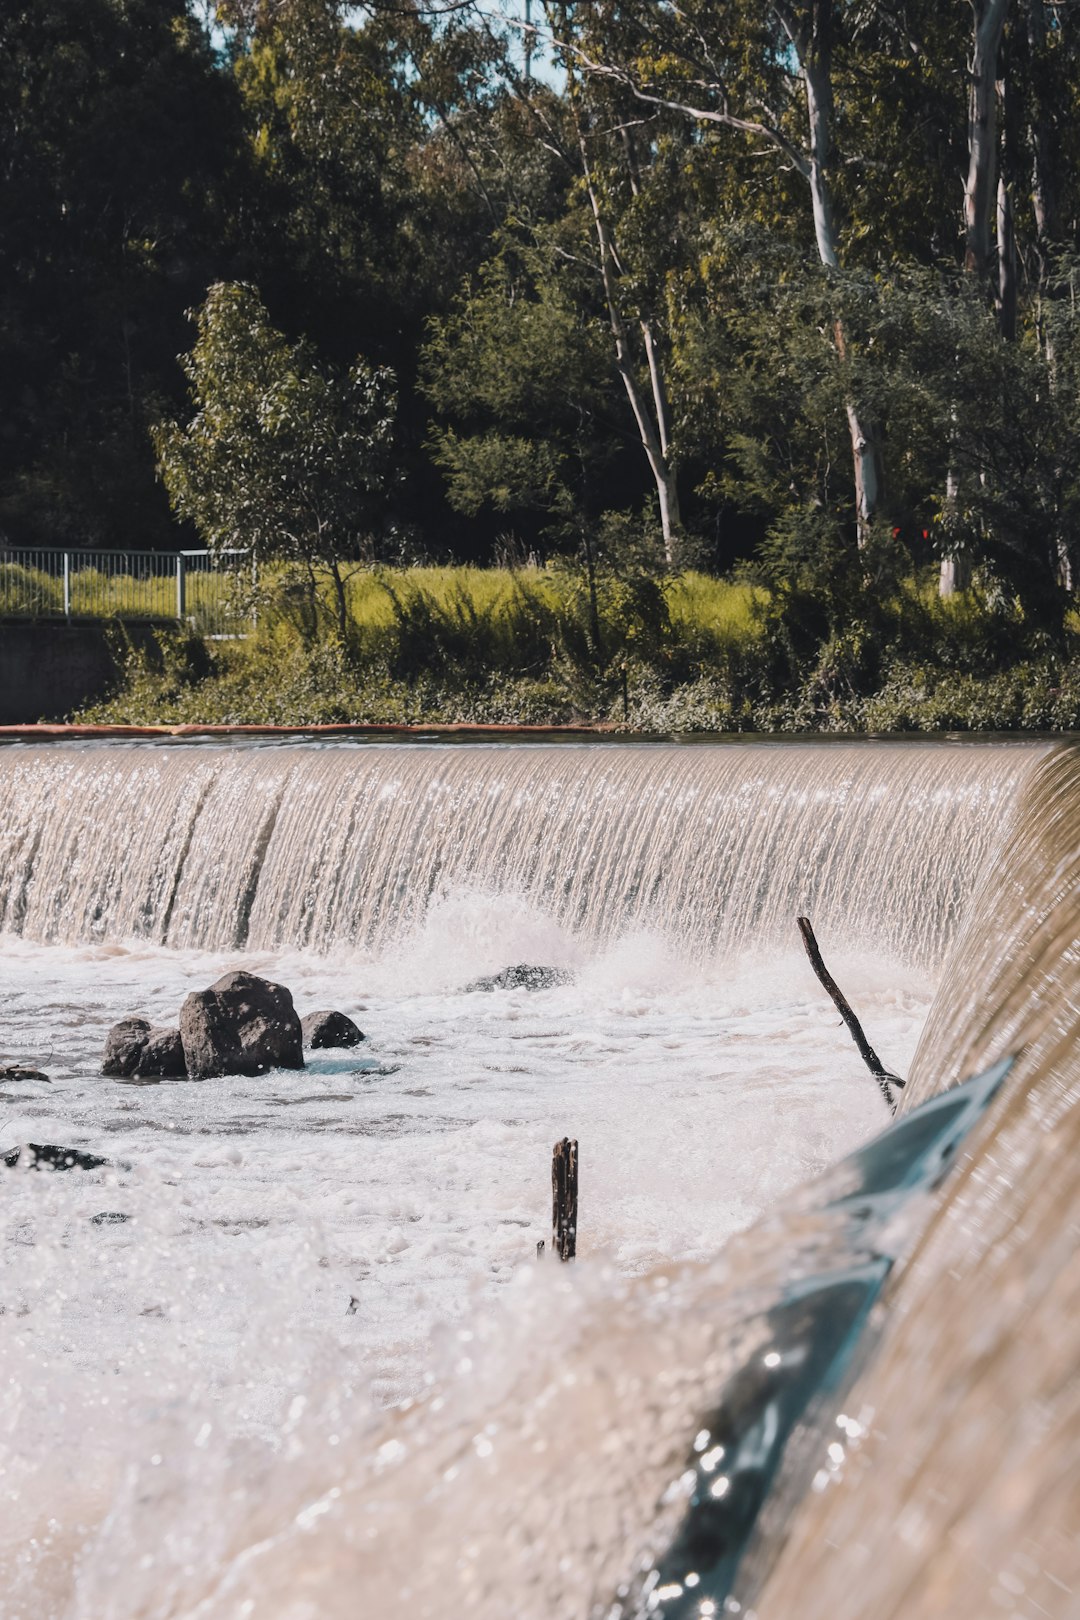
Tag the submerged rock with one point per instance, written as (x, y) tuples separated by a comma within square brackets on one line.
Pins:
[(47, 1156), (162, 1056), (123, 1046), (241, 1025), (18, 1071), (330, 1029), (523, 977)]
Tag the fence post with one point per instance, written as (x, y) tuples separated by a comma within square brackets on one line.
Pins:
[(564, 1193), (181, 586), (67, 585)]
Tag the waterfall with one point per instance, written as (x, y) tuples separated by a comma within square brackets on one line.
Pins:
[(948, 1485), (319, 847), (964, 1498)]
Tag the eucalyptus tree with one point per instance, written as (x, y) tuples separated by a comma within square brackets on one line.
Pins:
[(765, 73), (621, 175)]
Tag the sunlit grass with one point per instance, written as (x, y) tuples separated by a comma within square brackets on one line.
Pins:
[(487, 591), (724, 608)]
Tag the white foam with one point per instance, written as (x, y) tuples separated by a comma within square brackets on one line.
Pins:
[(410, 1176)]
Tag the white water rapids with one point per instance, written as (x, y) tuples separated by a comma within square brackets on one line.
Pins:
[(195, 1414)]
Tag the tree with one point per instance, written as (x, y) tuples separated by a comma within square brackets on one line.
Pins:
[(283, 456), (364, 129), (519, 373), (746, 69), (120, 183)]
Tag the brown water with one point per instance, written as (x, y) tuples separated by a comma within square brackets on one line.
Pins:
[(538, 1470), (319, 847), (963, 1498)]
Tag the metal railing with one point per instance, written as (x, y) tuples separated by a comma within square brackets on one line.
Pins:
[(211, 591)]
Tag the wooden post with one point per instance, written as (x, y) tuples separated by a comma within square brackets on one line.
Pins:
[(564, 1188), (881, 1074)]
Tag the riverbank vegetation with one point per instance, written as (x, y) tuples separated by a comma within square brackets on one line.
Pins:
[(734, 348), (684, 653)]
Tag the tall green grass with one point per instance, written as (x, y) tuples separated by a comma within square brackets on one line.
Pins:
[(532, 647)]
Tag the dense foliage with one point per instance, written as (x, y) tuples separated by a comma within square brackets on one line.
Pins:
[(518, 646), (788, 287)]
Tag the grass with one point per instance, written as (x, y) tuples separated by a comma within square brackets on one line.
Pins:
[(467, 645)]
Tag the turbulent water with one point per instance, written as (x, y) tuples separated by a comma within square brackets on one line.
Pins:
[(194, 1419), (319, 848)]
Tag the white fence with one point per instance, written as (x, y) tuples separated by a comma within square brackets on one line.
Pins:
[(213, 592)]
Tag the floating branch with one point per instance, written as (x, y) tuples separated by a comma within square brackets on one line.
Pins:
[(884, 1077), (564, 1198)]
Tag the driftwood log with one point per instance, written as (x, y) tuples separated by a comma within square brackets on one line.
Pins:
[(564, 1187), (884, 1077)]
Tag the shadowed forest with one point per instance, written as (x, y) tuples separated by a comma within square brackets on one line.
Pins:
[(714, 368)]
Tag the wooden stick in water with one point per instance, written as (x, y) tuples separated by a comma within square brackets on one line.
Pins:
[(564, 1188), (885, 1079)]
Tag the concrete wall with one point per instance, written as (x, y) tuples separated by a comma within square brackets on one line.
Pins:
[(49, 669)]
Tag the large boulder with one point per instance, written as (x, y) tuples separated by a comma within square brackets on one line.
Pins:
[(241, 1025), (123, 1046), (162, 1056), (322, 1029)]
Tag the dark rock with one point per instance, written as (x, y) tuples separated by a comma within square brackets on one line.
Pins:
[(241, 1025), (47, 1156), (109, 1217), (123, 1046), (162, 1057), (523, 977), (16, 1071), (330, 1029)]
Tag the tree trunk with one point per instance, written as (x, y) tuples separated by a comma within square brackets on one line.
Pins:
[(980, 190), (980, 186), (652, 429), (667, 488), (816, 62), (1043, 172), (1006, 237), (342, 606), (955, 572), (594, 599), (1044, 199), (955, 576)]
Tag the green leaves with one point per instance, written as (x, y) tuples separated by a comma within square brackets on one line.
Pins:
[(282, 455)]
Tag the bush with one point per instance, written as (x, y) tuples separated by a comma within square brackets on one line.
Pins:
[(469, 646)]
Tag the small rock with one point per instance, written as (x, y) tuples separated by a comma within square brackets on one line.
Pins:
[(241, 1025), (162, 1057), (47, 1156), (109, 1217), (523, 977), (123, 1046), (323, 1029), (15, 1071)]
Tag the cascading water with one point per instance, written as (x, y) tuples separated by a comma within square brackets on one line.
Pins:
[(963, 1497), (718, 848), (186, 1428)]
